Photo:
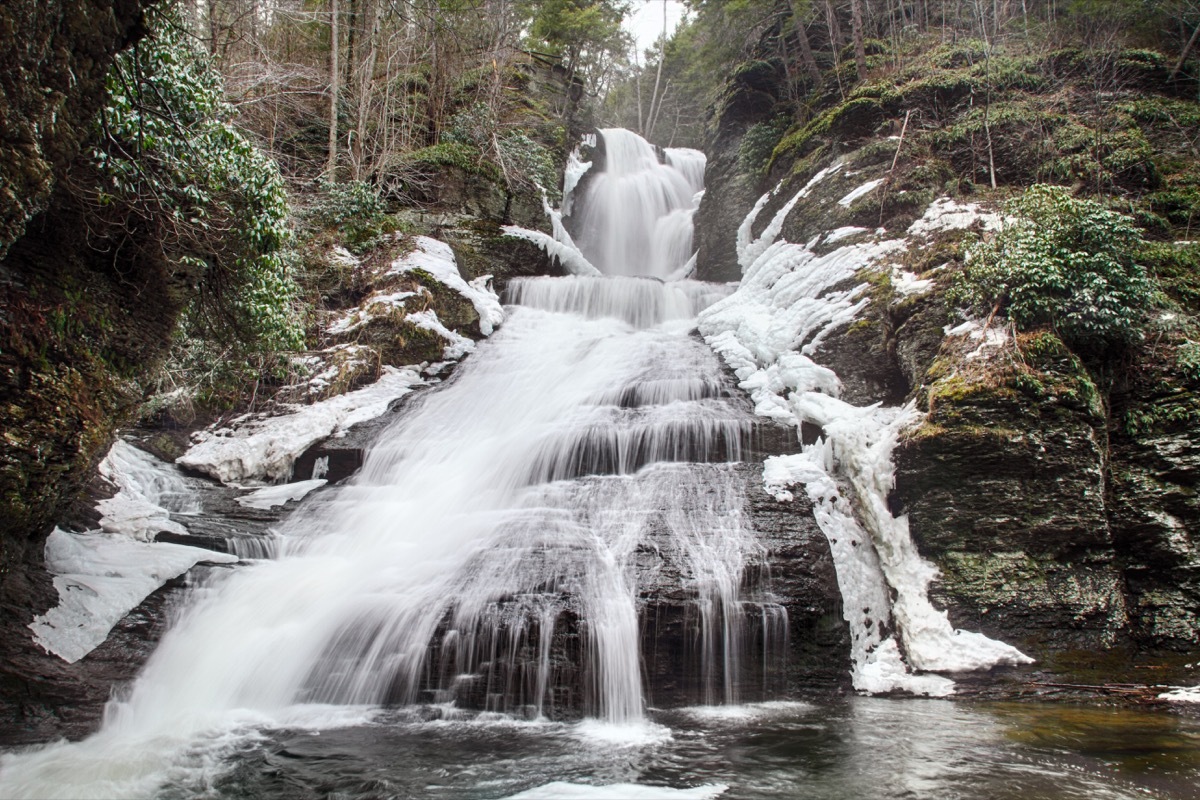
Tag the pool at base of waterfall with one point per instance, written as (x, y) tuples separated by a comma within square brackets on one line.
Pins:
[(857, 747)]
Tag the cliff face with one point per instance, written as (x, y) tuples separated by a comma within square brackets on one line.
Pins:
[(1054, 493), (51, 86), (82, 316)]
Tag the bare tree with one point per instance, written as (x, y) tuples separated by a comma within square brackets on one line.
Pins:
[(856, 28), (331, 165)]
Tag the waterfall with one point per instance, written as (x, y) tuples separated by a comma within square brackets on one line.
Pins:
[(496, 546), (636, 218)]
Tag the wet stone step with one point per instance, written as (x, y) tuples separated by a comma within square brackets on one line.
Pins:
[(214, 543)]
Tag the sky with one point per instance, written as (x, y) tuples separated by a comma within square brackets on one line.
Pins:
[(646, 21)]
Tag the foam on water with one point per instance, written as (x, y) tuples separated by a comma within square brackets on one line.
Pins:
[(561, 790)]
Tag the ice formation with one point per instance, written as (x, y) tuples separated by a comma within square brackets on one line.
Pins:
[(102, 575), (768, 331)]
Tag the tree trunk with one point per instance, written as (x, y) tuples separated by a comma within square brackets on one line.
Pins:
[(352, 45), (835, 29), (655, 100), (366, 78), (1187, 49), (331, 166), (856, 28), (806, 52)]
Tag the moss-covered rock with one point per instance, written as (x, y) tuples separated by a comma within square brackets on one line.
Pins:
[(1005, 487), (51, 86)]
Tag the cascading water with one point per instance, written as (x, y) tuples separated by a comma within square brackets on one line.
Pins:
[(637, 217), (494, 549)]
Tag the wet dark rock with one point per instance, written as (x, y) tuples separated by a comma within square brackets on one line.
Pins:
[(770, 438), (801, 576), (218, 544), (794, 640), (867, 368), (789, 638), (43, 698), (1154, 478)]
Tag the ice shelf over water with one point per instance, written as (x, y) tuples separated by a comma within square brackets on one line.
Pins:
[(768, 332), (103, 575)]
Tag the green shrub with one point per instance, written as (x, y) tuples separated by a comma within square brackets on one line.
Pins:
[(342, 203), (754, 151), (169, 151), (1063, 262), (354, 210)]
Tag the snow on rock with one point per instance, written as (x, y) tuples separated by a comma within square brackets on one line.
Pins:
[(989, 338), (437, 259), (332, 365), (865, 189), (457, 345), (264, 449), (906, 283), (945, 214), (100, 578), (767, 331), (838, 234), (145, 487), (567, 253), (271, 496), (375, 304)]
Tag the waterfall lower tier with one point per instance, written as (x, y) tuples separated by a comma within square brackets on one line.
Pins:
[(560, 521)]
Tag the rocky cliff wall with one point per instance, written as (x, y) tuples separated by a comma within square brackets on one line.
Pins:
[(83, 317), (1056, 497)]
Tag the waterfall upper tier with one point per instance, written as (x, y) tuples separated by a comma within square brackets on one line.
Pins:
[(634, 217)]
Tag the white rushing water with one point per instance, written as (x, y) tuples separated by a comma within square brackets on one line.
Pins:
[(637, 218), (491, 552)]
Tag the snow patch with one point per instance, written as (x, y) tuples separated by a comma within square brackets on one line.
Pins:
[(989, 338), (1182, 694), (837, 234), (907, 283), (866, 188), (567, 253), (272, 496), (437, 259), (265, 449), (457, 345), (945, 214)]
